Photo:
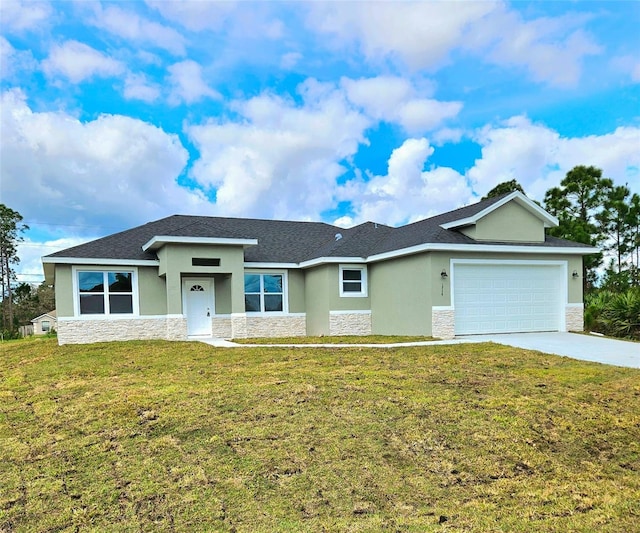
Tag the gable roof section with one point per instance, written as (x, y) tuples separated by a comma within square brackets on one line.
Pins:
[(51, 314), (474, 215), (306, 243)]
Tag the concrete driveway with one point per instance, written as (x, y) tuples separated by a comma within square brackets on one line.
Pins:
[(584, 347)]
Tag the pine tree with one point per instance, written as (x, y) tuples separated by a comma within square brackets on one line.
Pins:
[(11, 227), (576, 202)]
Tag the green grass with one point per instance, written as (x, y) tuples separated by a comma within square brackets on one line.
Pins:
[(336, 339), (158, 436)]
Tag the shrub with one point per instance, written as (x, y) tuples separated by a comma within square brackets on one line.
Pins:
[(614, 314)]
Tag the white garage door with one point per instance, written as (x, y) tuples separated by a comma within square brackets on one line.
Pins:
[(491, 298)]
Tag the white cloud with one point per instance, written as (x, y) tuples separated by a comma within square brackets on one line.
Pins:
[(187, 83), (18, 15), (425, 34), (420, 115), (290, 60), (447, 135), (195, 16), (395, 100), (629, 66), (14, 61), (281, 159), (551, 49), (30, 253), (407, 192), (131, 26), (420, 34), (138, 87), (538, 157), (78, 62), (113, 171)]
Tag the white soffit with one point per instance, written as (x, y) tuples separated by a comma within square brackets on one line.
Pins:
[(159, 240)]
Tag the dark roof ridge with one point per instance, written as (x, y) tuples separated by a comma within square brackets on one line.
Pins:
[(468, 210), (250, 219)]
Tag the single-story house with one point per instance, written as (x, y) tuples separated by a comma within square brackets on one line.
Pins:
[(487, 267), (45, 323)]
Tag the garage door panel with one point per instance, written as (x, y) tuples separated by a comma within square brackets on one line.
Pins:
[(491, 298)]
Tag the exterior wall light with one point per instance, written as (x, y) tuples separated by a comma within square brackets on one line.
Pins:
[(443, 274), (575, 274)]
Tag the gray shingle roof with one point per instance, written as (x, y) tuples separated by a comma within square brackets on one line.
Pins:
[(291, 241)]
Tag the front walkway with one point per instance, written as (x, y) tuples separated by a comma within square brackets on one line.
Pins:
[(577, 346)]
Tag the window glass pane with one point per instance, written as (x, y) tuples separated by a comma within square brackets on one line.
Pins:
[(272, 283), (251, 283), (120, 303), (252, 302), (90, 282), (352, 286), (273, 302), (120, 282), (45, 325), (352, 275), (91, 304)]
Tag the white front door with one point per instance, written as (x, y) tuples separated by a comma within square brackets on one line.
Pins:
[(198, 305)]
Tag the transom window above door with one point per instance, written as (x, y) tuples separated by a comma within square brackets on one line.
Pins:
[(263, 293)]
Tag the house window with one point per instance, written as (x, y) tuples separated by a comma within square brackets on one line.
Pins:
[(263, 293), (353, 281), (105, 292), (45, 325)]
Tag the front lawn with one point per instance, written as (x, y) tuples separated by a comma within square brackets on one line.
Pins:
[(159, 436)]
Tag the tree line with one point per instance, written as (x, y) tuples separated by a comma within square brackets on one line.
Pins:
[(20, 302)]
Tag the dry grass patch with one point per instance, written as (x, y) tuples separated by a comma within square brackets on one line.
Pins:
[(158, 436), (336, 339)]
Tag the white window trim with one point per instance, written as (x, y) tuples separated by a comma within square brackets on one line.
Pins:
[(364, 292), (285, 291), (108, 316)]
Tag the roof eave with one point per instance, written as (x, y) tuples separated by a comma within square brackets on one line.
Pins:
[(47, 260), (490, 248), (159, 241)]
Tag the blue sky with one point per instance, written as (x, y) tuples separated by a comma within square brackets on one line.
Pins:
[(118, 113)]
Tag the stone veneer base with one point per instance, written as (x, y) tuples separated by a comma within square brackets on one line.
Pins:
[(84, 331), (247, 326), (443, 323), (346, 323), (574, 317)]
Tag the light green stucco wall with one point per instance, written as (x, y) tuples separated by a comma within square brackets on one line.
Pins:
[(509, 223), (295, 280), (322, 295), (152, 292), (317, 299), (64, 290), (401, 296), (222, 294), (175, 262)]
